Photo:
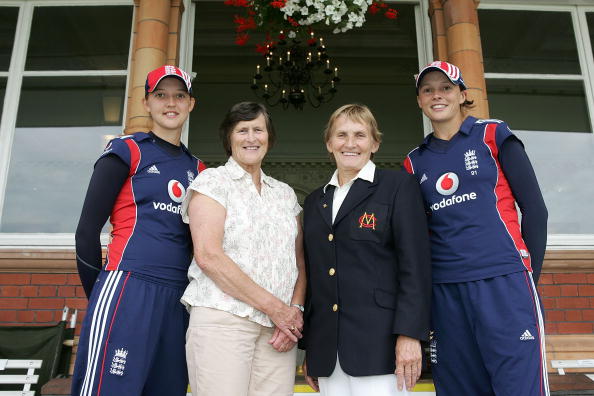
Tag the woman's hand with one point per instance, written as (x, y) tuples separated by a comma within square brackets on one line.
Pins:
[(311, 381), (281, 342), (408, 361), (288, 320)]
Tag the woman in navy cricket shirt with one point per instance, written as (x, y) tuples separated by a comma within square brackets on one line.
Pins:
[(133, 335), (488, 335)]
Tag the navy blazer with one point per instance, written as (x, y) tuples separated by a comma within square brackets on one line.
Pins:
[(368, 274)]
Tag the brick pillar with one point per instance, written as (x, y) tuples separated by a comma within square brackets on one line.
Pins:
[(440, 44), (456, 39), (177, 9), (150, 50), (464, 49)]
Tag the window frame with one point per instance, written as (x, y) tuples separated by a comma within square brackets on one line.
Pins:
[(14, 75), (580, 30)]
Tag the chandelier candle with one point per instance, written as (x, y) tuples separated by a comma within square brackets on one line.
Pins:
[(297, 79)]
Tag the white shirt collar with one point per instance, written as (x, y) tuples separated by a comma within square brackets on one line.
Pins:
[(237, 172), (366, 173)]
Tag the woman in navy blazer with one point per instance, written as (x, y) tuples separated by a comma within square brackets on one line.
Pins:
[(368, 268)]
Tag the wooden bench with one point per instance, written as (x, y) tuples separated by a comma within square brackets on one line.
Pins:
[(26, 380), (561, 365)]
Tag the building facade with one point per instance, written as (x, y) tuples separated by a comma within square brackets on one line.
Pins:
[(72, 76)]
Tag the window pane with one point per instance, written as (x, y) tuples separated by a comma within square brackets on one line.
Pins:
[(528, 42), (539, 105), (376, 67), (564, 165), (71, 101), (79, 38), (8, 21), (59, 135), (49, 173)]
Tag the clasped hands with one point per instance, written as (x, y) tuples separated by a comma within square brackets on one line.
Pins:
[(288, 323)]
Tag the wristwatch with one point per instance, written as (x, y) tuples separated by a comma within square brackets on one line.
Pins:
[(301, 307)]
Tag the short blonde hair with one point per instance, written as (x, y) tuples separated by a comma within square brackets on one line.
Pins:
[(354, 112)]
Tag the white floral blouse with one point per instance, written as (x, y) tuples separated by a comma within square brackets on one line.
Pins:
[(260, 232)]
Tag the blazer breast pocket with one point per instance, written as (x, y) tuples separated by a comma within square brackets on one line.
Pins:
[(369, 222)]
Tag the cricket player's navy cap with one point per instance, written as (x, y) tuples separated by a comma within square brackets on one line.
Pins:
[(155, 77), (452, 72)]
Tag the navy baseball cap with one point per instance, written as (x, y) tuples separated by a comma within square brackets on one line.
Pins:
[(452, 72), (154, 78)]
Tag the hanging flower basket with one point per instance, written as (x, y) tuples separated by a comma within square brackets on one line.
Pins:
[(298, 17)]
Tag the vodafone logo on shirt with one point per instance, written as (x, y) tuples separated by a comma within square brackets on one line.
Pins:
[(176, 191), (447, 184)]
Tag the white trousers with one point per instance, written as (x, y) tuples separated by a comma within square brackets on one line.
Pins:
[(341, 384)]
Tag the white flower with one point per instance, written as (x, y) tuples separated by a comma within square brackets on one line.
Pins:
[(289, 8), (292, 34), (342, 15)]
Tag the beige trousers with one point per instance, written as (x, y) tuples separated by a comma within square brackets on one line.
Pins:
[(230, 356)]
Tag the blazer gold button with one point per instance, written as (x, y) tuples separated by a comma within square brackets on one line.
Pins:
[(331, 271), (335, 307), (324, 206), (330, 237)]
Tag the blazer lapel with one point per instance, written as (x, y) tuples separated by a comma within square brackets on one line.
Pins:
[(360, 190), (325, 205)]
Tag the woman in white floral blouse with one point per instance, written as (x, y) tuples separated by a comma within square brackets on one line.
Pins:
[(247, 280)]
